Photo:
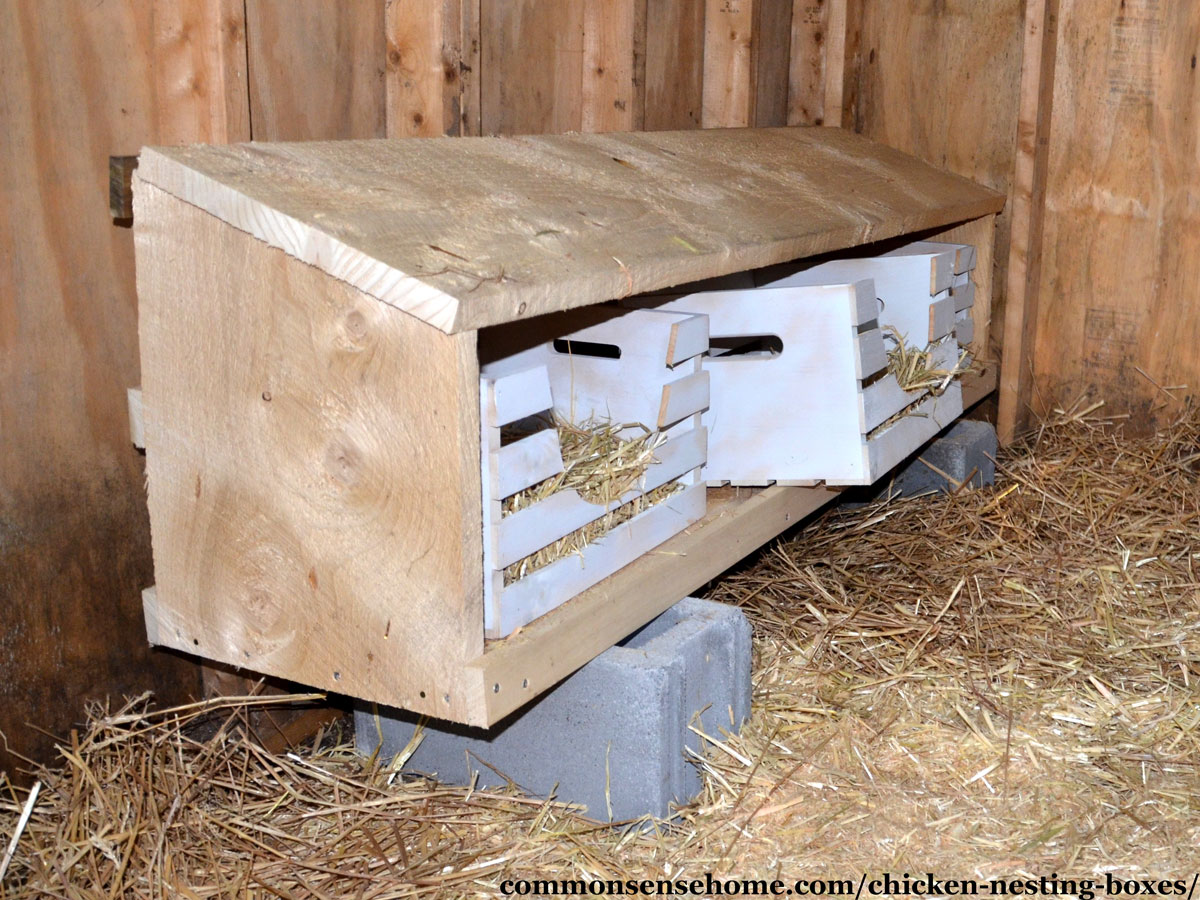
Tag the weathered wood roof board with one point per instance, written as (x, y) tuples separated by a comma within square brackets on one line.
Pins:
[(468, 232)]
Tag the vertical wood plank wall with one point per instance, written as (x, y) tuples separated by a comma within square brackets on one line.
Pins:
[(1113, 312), (1119, 312), (78, 86)]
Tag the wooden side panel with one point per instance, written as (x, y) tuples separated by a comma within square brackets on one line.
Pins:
[(674, 64), (316, 69), (939, 79), (1121, 248), (313, 469), (75, 88)]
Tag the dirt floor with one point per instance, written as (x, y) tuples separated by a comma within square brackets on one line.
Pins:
[(991, 685)]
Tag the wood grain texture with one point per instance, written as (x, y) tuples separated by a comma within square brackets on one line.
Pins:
[(939, 79), (316, 69), (609, 89), (1022, 283), (808, 61), (425, 60), (1121, 246), (674, 64), (771, 43), (631, 212), (532, 63), (728, 64), (312, 457), (76, 87), (200, 82)]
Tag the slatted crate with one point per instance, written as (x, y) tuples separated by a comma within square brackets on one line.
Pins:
[(642, 369), (799, 388)]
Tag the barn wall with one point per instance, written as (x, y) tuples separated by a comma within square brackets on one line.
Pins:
[(1118, 318)]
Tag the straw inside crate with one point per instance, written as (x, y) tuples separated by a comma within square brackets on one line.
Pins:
[(601, 462), (914, 369)]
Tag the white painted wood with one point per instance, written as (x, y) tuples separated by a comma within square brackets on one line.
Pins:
[(682, 398), (964, 295), (137, 427), (791, 416), (866, 302), (524, 463), (870, 356), (941, 316), (964, 258), (689, 339), (531, 529), (904, 279), (964, 327), (543, 590), (892, 445), (651, 383), (941, 261), (884, 398), (520, 394)]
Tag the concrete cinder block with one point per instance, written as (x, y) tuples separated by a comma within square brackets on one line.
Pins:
[(966, 451), (613, 736)]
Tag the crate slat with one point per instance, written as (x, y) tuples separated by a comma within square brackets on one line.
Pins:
[(529, 530)]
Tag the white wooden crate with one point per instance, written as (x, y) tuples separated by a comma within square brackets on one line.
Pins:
[(811, 401), (657, 381)]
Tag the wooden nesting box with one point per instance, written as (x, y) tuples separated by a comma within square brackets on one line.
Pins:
[(313, 318)]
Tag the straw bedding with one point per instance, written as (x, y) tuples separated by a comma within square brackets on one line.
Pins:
[(998, 683)]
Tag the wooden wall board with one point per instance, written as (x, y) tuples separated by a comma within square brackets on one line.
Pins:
[(316, 69), (201, 91), (1120, 253), (808, 60), (728, 64), (305, 442), (674, 64), (1026, 215), (609, 92), (425, 68), (532, 66), (76, 87), (678, 207), (939, 79), (746, 63)]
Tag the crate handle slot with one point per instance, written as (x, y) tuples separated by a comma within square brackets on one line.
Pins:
[(570, 347), (747, 346)]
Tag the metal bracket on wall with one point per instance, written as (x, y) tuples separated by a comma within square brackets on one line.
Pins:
[(120, 189)]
